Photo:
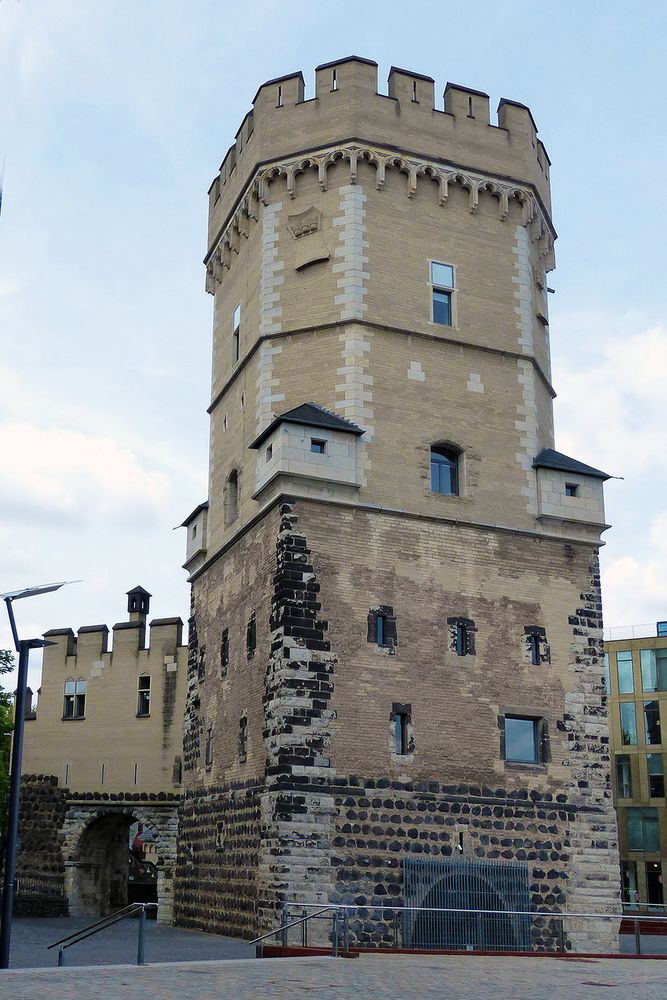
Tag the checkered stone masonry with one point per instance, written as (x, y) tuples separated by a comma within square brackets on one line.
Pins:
[(297, 808)]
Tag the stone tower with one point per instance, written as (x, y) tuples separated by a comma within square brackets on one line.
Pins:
[(395, 645)]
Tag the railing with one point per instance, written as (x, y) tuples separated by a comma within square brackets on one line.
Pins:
[(460, 928), (101, 925), (648, 631)]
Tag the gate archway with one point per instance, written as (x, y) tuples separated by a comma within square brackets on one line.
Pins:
[(101, 867), (481, 894)]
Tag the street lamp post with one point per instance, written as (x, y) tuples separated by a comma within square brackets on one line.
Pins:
[(23, 647)]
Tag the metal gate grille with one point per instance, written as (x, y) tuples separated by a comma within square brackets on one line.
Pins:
[(477, 886)]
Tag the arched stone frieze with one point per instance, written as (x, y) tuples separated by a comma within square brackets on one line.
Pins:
[(258, 190)]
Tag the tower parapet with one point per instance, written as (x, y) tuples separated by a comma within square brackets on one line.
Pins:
[(347, 105)]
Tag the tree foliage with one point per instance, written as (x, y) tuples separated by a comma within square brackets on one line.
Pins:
[(6, 723)]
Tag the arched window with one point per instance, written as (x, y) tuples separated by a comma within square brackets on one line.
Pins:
[(74, 705), (232, 497), (445, 470)]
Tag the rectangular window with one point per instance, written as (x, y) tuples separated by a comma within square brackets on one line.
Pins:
[(624, 672), (623, 777), (643, 830), (534, 642), (629, 890), (524, 739), (144, 695), (661, 628), (401, 724), (382, 627), (571, 489), (74, 704), (654, 883), (654, 669), (224, 651), (318, 447), (652, 722), (236, 334), (442, 282), (628, 724), (656, 775)]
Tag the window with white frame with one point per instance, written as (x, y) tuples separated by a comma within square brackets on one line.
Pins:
[(74, 706), (442, 293), (144, 695)]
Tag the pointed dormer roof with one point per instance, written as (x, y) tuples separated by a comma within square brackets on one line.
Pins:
[(312, 415), (550, 459)]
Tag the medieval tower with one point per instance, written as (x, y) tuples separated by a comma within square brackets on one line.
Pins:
[(395, 644)]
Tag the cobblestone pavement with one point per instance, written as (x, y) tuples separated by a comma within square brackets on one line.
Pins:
[(457, 977)]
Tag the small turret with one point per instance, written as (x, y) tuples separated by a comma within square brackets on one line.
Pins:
[(138, 604)]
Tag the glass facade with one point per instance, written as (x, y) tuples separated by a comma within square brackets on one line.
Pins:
[(628, 723), (656, 776), (643, 830), (637, 699), (624, 672)]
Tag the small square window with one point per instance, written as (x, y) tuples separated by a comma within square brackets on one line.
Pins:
[(525, 740), (318, 447), (571, 489)]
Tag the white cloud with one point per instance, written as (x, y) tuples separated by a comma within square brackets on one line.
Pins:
[(55, 473), (614, 403)]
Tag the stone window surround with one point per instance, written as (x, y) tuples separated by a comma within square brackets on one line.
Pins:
[(543, 739)]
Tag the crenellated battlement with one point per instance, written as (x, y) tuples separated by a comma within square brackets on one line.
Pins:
[(91, 642), (347, 107)]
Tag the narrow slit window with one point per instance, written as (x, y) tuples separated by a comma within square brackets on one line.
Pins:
[(414, 92), (135, 773), (380, 628), (236, 334), (401, 724), (269, 453), (334, 80), (243, 739), (144, 695), (279, 102), (251, 636), (103, 773), (224, 651), (208, 751), (471, 107)]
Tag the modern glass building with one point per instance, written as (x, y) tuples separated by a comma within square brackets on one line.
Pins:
[(636, 676)]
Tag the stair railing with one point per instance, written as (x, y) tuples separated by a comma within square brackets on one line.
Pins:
[(101, 925)]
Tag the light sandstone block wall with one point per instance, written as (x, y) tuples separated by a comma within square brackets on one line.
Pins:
[(385, 184), (86, 780)]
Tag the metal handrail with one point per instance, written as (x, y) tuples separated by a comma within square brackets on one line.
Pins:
[(343, 909), (113, 918)]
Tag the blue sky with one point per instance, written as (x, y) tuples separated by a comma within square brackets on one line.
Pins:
[(114, 118)]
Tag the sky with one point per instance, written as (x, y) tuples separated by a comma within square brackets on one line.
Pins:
[(114, 118)]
